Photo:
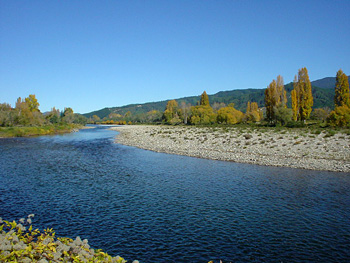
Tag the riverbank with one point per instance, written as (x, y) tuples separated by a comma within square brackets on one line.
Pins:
[(29, 131), (285, 148)]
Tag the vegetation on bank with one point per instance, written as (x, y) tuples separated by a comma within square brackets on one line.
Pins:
[(28, 131), (20, 242), (274, 113), (25, 119)]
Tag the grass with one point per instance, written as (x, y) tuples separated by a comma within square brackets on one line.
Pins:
[(29, 131)]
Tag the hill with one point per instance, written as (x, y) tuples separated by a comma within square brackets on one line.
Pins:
[(322, 90)]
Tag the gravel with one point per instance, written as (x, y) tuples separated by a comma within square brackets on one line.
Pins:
[(285, 148)]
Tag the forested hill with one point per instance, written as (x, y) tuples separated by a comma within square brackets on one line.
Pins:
[(322, 90)]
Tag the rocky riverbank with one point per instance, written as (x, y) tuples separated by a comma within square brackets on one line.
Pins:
[(264, 146)]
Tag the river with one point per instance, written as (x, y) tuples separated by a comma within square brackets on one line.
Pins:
[(158, 207)]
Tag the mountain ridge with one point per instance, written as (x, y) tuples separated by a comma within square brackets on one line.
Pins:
[(322, 90)]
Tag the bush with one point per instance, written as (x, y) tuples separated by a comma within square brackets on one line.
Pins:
[(340, 117), (19, 242)]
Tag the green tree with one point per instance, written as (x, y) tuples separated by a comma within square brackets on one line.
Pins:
[(32, 103), (53, 116), (6, 116), (68, 115), (341, 97), (282, 114)]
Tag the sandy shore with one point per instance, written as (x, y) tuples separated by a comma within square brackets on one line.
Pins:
[(286, 148)]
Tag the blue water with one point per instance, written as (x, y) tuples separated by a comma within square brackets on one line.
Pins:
[(165, 208)]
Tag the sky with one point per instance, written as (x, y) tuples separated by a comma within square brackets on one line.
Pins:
[(89, 55)]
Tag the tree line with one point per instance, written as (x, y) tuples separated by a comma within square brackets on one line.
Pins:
[(275, 111), (26, 113)]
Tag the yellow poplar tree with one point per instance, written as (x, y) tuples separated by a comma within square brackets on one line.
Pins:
[(305, 94), (204, 99), (341, 97), (295, 99), (275, 95), (270, 99)]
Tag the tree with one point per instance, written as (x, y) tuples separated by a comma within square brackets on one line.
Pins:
[(282, 114), (95, 118), (341, 97), (32, 103), (68, 115), (229, 115), (295, 99), (302, 99), (321, 114), (53, 116), (6, 114), (281, 92), (275, 95), (271, 100), (340, 116), (253, 112), (171, 113), (204, 99), (185, 111)]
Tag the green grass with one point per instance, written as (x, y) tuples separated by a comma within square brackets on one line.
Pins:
[(7, 132)]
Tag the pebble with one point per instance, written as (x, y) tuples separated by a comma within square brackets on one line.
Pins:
[(270, 148)]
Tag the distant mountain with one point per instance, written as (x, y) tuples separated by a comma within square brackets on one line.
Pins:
[(322, 90)]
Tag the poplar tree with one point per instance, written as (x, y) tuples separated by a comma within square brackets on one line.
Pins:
[(270, 99), (302, 100), (295, 99), (204, 99), (341, 97), (306, 99), (281, 92)]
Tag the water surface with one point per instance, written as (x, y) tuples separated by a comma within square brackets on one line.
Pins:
[(158, 207)]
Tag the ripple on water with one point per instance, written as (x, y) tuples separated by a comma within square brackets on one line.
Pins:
[(165, 208)]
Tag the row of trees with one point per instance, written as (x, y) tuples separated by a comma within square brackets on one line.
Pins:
[(26, 113), (203, 113), (274, 112), (302, 101)]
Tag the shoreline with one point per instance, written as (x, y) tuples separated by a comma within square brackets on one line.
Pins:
[(268, 147)]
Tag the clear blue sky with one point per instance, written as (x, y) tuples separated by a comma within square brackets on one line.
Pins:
[(94, 54)]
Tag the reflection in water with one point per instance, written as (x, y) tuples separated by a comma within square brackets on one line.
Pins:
[(165, 208)]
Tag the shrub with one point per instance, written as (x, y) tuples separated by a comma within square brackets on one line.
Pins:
[(19, 242)]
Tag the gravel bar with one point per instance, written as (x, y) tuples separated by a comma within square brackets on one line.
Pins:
[(284, 148)]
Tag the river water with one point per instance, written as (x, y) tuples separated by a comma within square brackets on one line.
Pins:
[(158, 207)]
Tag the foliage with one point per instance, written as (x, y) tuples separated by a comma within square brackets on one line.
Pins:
[(18, 131), (204, 99), (282, 114), (202, 115), (20, 242), (275, 96), (229, 115), (322, 91), (320, 114), (253, 113), (340, 117), (302, 99), (341, 97), (171, 113), (26, 113)]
